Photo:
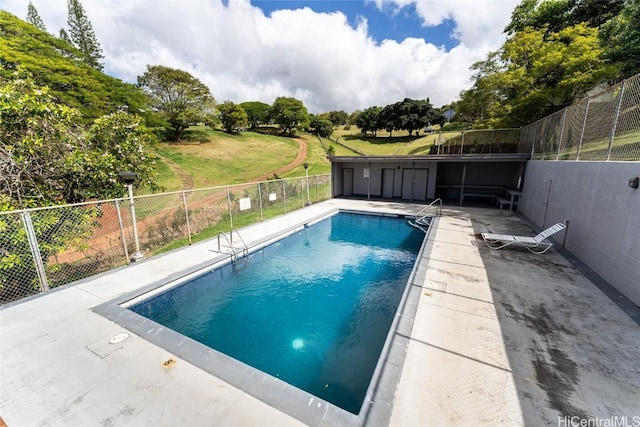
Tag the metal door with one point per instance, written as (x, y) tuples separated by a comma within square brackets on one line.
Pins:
[(347, 182), (388, 176), (414, 184)]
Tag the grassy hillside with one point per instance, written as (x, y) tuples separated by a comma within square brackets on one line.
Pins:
[(211, 158), (55, 63), (400, 143)]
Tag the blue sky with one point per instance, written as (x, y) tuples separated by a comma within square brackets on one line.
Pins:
[(330, 54), (387, 23)]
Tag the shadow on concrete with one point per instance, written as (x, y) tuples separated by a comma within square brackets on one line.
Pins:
[(573, 352)]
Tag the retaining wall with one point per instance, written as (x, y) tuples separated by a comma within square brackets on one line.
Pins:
[(602, 210)]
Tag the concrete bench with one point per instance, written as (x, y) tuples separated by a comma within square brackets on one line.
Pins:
[(502, 201), (479, 195)]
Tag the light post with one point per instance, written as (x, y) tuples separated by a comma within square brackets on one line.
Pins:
[(306, 172), (129, 178)]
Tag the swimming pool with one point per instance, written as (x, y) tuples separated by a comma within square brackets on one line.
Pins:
[(313, 309)]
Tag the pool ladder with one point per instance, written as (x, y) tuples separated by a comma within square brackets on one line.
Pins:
[(423, 218), (235, 251)]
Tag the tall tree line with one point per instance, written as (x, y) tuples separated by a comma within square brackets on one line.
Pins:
[(33, 17), (80, 34), (556, 51)]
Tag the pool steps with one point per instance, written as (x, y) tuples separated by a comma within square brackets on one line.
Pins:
[(244, 250)]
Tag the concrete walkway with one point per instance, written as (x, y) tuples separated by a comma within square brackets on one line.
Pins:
[(500, 337), (516, 339)]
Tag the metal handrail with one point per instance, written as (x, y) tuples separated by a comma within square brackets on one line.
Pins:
[(234, 253), (422, 215), (419, 221), (245, 250)]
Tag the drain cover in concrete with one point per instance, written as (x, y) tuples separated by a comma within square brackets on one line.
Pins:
[(109, 344), (116, 339)]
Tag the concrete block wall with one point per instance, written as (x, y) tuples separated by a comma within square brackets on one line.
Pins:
[(602, 210)]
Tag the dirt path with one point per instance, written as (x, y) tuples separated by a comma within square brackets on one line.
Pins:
[(109, 227), (301, 156), (186, 181)]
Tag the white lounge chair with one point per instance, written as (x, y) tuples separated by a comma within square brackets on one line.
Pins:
[(537, 244)]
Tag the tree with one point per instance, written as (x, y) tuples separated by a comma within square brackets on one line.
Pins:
[(258, 113), (320, 126), (55, 63), (415, 114), (35, 141), (595, 13), (289, 113), (34, 18), (620, 38), (389, 118), (232, 116), (353, 117), (545, 74), (180, 99), (338, 117), (65, 36), (82, 34), (367, 120), (47, 158), (535, 74), (483, 101), (556, 15)]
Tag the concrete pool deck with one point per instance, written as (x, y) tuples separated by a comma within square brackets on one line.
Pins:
[(500, 337)]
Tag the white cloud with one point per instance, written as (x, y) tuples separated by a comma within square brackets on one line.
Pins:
[(478, 23), (243, 55)]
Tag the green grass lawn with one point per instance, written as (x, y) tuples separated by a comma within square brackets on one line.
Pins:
[(215, 158), (316, 158), (399, 143), (625, 147), (208, 158)]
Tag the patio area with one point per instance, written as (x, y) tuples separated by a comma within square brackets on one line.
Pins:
[(498, 338)]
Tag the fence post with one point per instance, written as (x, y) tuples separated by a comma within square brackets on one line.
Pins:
[(545, 140), (35, 251), (491, 139), (615, 121), (284, 197), (533, 140), (564, 118), (260, 199), (230, 215), (122, 235), (584, 126), (316, 186), (186, 215), (461, 146)]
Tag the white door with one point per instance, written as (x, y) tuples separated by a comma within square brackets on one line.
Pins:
[(420, 183), (414, 184), (347, 182), (387, 183)]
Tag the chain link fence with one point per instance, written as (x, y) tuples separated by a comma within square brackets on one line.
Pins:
[(480, 141), (602, 127), (41, 249)]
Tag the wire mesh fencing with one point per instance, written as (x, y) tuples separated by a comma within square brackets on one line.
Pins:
[(41, 249), (602, 127), (480, 141)]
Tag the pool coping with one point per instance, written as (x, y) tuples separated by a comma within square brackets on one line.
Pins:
[(307, 408)]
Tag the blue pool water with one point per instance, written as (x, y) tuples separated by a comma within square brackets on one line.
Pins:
[(313, 309)]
